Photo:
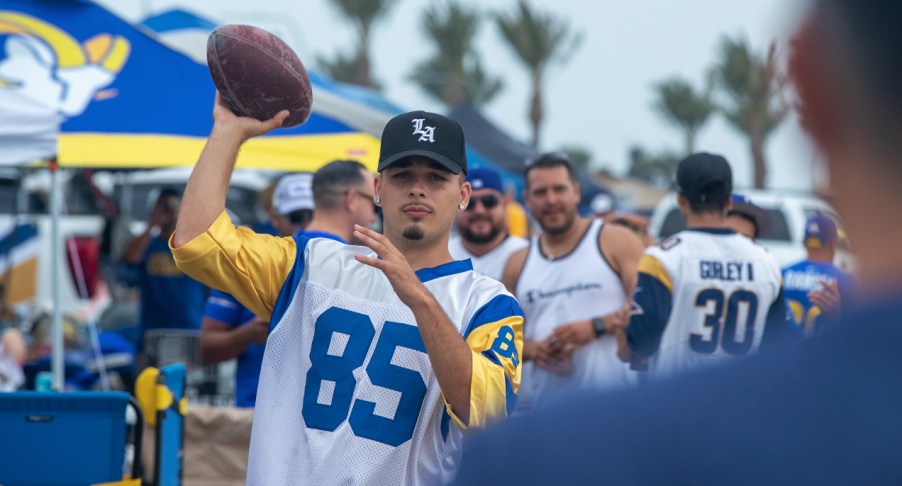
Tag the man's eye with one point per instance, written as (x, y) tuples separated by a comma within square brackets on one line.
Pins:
[(401, 175), (437, 177)]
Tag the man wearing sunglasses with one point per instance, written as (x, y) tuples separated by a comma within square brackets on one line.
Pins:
[(482, 231)]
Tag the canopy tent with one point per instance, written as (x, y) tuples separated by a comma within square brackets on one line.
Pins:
[(126, 100)]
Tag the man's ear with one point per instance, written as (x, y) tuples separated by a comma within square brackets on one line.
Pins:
[(377, 185), (465, 191)]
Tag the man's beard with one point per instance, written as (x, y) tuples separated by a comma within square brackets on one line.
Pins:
[(480, 239), (414, 233), (562, 228)]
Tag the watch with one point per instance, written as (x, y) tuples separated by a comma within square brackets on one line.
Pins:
[(598, 325)]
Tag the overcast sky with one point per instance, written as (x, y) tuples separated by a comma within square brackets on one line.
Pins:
[(601, 99)]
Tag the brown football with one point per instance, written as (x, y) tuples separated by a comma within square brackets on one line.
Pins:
[(257, 74)]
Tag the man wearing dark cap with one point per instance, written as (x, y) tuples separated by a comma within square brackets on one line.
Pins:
[(815, 286), (706, 294), (482, 229), (748, 219), (377, 358)]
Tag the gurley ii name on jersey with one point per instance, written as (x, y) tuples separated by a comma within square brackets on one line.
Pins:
[(726, 271)]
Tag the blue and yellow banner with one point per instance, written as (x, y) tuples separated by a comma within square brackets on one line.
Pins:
[(127, 100)]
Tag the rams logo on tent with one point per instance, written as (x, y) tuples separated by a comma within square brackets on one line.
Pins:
[(45, 64)]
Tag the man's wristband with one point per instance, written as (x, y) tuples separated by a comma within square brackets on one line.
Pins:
[(598, 326)]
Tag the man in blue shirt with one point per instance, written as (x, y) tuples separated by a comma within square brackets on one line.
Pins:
[(815, 288), (339, 196), (823, 411), (169, 298)]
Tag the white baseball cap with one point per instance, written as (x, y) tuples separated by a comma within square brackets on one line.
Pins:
[(293, 192)]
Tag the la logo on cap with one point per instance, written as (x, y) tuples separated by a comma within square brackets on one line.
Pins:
[(425, 133)]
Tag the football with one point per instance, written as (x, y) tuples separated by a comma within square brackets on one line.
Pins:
[(257, 74)]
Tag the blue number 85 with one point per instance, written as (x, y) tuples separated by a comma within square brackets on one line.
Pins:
[(339, 370)]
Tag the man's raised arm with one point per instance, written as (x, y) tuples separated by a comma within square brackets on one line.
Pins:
[(205, 194)]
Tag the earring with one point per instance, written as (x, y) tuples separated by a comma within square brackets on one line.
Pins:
[(377, 199), (461, 207)]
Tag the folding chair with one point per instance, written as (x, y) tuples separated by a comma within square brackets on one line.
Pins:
[(65, 439), (162, 396)]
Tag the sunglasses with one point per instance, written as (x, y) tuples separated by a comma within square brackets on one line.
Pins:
[(488, 201)]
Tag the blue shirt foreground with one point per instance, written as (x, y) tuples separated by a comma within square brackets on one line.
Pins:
[(825, 411)]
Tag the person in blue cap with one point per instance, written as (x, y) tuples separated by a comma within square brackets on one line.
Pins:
[(482, 231), (815, 286)]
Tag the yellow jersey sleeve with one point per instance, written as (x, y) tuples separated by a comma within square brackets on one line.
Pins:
[(495, 338), (251, 267)]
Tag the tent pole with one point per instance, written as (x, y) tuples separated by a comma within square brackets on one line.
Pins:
[(56, 249)]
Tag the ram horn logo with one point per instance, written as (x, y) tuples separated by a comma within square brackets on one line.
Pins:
[(45, 64)]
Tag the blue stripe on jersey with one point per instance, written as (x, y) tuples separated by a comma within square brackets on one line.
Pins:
[(445, 424), (291, 283), (500, 307), (443, 270), (223, 307), (509, 395), (651, 304)]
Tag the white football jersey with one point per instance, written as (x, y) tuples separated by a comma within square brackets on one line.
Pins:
[(704, 295), (347, 394)]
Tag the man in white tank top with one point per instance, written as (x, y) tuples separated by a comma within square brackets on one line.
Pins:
[(482, 229), (706, 294), (572, 283)]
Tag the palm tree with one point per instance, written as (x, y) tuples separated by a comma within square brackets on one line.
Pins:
[(364, 14), (679, 104), (753, 86), (454, 74), (539, 39)]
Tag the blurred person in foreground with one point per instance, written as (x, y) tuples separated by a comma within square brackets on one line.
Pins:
[(574, 283), (815, 287), (482, 230), (825, 411), (377, 358), (748, 219)]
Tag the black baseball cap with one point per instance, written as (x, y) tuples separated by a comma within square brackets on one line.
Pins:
[(703, 177), (425, 134)]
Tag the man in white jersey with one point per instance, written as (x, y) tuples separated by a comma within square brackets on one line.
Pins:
[(705, 294), (573, 282), (483, 236), (372, 353)]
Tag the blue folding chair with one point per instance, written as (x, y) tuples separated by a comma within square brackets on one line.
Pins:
[(64, 439)]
